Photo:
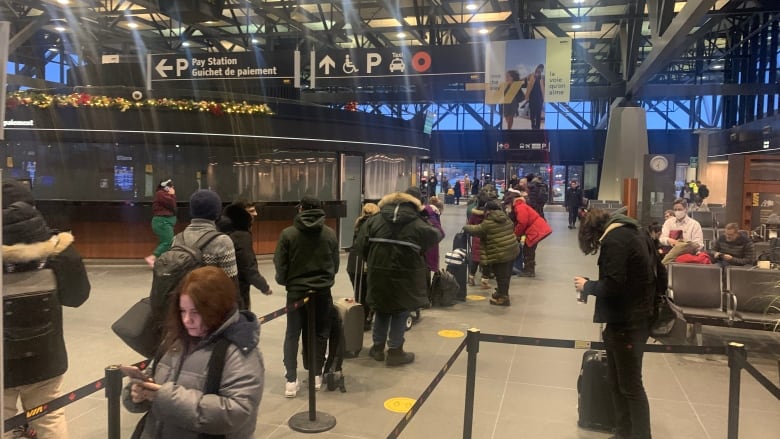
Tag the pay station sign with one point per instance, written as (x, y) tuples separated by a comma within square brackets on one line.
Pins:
[(225, 66), (389, 65)]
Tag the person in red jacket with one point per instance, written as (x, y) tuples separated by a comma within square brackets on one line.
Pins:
[(534, 228), (163, 218)]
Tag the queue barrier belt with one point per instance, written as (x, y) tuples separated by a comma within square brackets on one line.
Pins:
[(552, 343), (82, 392), (426, 393)]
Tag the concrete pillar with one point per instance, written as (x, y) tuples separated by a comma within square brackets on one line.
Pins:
[(713, 174), (624, 151)]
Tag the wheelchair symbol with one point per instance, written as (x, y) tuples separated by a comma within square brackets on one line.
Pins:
[(348, 67)]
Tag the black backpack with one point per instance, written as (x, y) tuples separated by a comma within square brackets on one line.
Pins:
[(31, 309), (444, 287), (171, 267)]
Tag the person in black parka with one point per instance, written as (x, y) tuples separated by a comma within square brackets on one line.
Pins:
[(236, 222)]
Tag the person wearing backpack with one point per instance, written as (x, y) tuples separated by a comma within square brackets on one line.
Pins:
[(205, 210), (209, 377), (306, 259), (42, 272)]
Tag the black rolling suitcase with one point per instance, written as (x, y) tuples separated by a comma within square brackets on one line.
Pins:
[(594, 403), (457, 266), (461, 240)]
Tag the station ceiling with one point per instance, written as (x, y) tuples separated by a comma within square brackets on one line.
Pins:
[(627, 42)]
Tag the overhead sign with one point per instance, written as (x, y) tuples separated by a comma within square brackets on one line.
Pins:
[(396, 65), (225, 66)]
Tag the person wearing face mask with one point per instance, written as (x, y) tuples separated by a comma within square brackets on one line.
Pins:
[(681, 227)]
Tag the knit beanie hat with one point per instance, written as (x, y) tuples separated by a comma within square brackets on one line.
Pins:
[(14, 191), (205, 204), (415, 192)]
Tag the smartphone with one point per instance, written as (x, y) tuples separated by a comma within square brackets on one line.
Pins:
[(134, 372)]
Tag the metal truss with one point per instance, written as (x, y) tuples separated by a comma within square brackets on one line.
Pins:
[(712, 61)]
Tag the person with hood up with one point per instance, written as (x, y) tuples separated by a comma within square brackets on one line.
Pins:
[(625, 293), (499, 248), (307, 258), (530, 229), (537, 193), (393, 243), (236, 222), (203, 314), (35, 358)]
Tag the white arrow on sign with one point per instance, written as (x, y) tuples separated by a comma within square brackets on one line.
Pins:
[(161, 68), (327, 63)]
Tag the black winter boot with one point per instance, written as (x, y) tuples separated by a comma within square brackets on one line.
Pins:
[(377, 352), (397, 357)]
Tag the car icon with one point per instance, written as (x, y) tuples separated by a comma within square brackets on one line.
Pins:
[(397, 65)]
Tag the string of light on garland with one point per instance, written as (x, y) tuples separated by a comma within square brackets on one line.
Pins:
[(85, 100)]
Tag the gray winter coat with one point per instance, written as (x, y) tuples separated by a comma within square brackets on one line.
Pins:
[(181, 410)]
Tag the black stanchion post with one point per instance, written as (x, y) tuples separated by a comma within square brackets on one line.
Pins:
[(735, 351), (311, 421), (472, 347), (114, 395)]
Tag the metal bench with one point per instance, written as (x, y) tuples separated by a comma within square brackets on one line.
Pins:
[(753, 297), (698, 290)]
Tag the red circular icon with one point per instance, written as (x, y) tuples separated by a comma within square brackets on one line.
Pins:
[(421, 62)]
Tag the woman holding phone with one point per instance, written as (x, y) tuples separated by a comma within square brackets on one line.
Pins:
[(163, 218), (203, 316)]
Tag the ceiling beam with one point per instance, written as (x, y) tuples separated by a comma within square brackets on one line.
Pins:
[(28, 31)]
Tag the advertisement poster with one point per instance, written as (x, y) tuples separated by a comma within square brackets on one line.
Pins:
[(522, 75), (765, 205)]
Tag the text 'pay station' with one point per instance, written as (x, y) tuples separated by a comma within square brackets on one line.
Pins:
[(213, 66)]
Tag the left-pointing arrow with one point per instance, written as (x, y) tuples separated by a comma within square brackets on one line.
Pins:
[(161, 68)]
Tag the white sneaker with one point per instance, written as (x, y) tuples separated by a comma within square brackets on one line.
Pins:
[(317, 382), (291, 389)]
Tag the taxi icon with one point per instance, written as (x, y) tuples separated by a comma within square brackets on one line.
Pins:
[(397, 65)]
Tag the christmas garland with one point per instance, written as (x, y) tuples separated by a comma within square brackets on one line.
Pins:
[(85, 100)]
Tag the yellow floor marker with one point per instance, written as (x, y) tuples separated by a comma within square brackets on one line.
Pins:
[(475, 297), (451, 333), (400, 404)]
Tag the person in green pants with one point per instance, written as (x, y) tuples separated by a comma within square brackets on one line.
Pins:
[(163, 218)]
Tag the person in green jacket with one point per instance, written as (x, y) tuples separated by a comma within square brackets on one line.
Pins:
[(306, 258), (499, 248)]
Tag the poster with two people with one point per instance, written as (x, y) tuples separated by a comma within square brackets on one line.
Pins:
[(522, 75)]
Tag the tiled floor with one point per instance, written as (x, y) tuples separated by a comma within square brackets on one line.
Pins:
[(521, 391)]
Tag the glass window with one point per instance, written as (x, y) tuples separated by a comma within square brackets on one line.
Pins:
[(385, 174), (287, 176)]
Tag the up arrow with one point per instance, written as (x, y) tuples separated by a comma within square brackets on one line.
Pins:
[(327, 63), (161, 68)]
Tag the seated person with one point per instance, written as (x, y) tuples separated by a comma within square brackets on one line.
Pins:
[(681, 227), (733, 247)]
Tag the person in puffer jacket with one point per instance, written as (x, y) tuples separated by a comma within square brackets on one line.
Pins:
[(499, 248), (530, 229), (35, 358), (203, 311), (393, 243)]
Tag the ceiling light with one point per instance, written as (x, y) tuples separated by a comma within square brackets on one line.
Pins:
[(53, 49), (132, 25), (716, 66), (576, 26), (59, 28), (484, 31), (579, 1), (63, 2), (401, 34), (255, 41), (471, 7), (185, 43)]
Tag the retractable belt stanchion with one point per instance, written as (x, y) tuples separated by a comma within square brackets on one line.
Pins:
[(472, 348), (114, 395), (735, 371), (312, 421)]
